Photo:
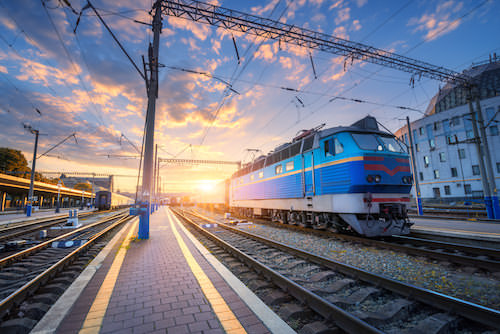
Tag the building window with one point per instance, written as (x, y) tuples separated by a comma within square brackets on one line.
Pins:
[(494, 130), (278, 169), (467, 189), (446, 125), (421, 130), (447, 190), (417, 148), (454, 172), (436, 173), (498, 167), (261, 175), (455, 121), (421, 175), (442, 157), (452, 139), (289, 166), (461, 153), (426, 161), (432, 144), (436, 192), (415, 134), (475, 170), (437, 125)]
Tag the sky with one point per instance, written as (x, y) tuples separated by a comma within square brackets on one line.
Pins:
[(62, 82)]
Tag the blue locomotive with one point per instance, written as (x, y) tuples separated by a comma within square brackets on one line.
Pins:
[(354, 178)]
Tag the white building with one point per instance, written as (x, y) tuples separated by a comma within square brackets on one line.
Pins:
[(447, 160)]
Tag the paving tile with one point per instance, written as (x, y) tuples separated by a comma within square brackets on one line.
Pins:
[(185, 319), (165, 323), (199, 326), (157, 292)]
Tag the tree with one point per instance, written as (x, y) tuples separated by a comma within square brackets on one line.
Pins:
[(83, 186), (13, 161)]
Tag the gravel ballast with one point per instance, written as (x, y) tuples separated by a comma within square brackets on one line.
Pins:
[(459, 282)]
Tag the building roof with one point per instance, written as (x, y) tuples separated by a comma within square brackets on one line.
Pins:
[(486, 76)]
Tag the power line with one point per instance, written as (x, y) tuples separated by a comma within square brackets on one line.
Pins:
[(70, 58)]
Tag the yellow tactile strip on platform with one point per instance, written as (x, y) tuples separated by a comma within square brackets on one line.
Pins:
[(226, 317), (93, 321)]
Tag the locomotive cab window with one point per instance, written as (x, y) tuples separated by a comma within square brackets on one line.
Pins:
[(332, 147), (367, 141), (289, 166), (261, 175)]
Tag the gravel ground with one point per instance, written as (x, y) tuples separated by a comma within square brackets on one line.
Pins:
[(476, 287)]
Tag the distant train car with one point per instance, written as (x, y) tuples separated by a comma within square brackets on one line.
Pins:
[(217, 198), (106, 200), (354, 178)]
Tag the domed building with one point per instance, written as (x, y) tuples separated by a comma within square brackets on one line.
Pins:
[(445, 151)]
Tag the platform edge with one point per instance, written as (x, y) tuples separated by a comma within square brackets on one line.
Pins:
[(56, 314), (268, 317)]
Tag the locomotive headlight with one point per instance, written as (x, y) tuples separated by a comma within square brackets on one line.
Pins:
[(378, 178), (369, 178)]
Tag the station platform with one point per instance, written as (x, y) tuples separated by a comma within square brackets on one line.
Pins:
[(169, 283), (470, 228)]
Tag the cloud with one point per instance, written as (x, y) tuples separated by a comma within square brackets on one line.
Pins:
[(200, 31), (343, 15), (286, 62), (439, 22), (361, 3), (260, 10), (356, 25), (41, 73), (267, 52), (3, 69)]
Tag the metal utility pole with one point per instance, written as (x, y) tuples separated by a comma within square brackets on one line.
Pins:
[(152, 85), (482, 169), (32, 179), (489, 166), (157, 179), (414, 167), (155, 170)]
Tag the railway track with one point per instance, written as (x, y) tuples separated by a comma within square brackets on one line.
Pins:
[(457, 253), (12, 230), (32, 280), (356, 301)]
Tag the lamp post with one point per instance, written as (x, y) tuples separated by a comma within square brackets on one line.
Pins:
[(81, 206), (58, 194), (32, 179)]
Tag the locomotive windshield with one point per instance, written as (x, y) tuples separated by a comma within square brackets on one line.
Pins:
[(373, 142), (367, 141), (392, 144)]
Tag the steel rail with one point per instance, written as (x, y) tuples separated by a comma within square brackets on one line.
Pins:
[(38, 224), (329, 311), (465, 309), (490, 265), (14, 257), (495, 253), (19, 224), (20, 294)]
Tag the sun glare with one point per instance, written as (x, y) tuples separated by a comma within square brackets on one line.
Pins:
[(207, 186)]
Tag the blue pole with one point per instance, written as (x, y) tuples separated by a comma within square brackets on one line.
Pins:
[(496, 207), (489, 207), (419, 206), (143, 232)]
